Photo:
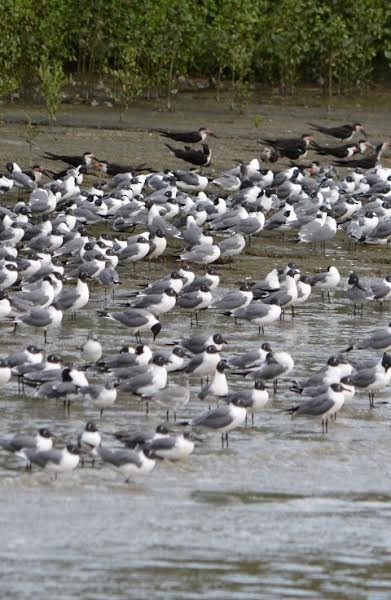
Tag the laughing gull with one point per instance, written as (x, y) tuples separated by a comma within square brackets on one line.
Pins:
[(173, 396), (173, 281), (55, 461), (43, 440), (201, 254), (149, 382), (358, 293), (52, 362), (323, 406), (380, 339), (88, 441), (382, 290), (91, 350), (157, 304), (31, 354), (174, 448), (101, 396), (287, 294), (205, 363), (251, 359), (271, 283), (45, 318), (232, 246), (77, 298), (129, 462), (224, 418), (211, 279), (258, 313), (175, 358), (276, 365), (8, 276), (218, 386), (336, 368), (375, 378), (196, 344), (326, 281), (140, 438), (127, 357), (65, 390), (195, 301), (253, 400), (135, 319), (236, 299)]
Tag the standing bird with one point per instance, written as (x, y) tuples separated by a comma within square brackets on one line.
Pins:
[(323, 406), (200, 158), (89, 440), (224, 418), (129, 462), (56, 461), (343, 132), (187, 137)]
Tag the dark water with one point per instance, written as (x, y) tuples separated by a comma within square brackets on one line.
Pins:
[(284, 512)]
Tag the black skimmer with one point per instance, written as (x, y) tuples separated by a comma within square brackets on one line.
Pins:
[(200, 158), (343, 132), (187, 137)]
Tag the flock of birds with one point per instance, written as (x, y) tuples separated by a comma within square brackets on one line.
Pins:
[(50, 237)]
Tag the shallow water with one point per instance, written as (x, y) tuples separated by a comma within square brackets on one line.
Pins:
[(284, 512)]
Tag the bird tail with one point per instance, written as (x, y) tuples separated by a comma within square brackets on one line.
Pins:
[(295, 387), (291, 410), (318, 148), (349, 349), (316, 127)]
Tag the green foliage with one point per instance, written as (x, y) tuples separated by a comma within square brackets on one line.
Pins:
[(126, 79), (52, 79), (228, 41), (31, 134)]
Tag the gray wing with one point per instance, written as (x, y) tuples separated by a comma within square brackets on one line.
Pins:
[(147, 301), (163, 443), (315, 407), (37, 318), (318, 278), (131, 318), (92, 390), (249, 359), (280, 296), (194, 363), (268, 371), (190, 300), (67, 299), (377, 341), (119, 457), (364, 378), (215, 419), (18, 442), (252, 311), (43, 458), (231, 301), (136, 382)]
